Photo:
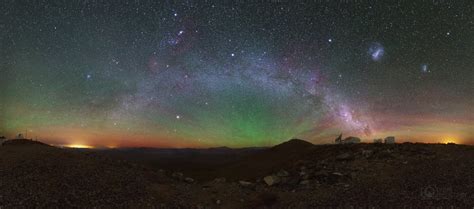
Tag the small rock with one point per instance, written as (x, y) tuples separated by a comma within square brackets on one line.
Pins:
[(304, 182), (245, 184), (292, 181), (337, 174), (305, 177), (386, 154), (353, 175), (220, 180), (189, 180), (177, 175), (282, 173), (271, 180), (218, 202), (345, 156), (321, 173), (367, 153)]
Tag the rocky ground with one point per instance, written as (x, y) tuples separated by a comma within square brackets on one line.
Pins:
[(34, 175), (295, 174)]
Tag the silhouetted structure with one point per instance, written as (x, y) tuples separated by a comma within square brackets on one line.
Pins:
[(339, 139), (2, 139), (348, 140), (351, 140), (389, 140)]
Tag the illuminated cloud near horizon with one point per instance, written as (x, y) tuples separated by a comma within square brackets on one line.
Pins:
[(376, 51)]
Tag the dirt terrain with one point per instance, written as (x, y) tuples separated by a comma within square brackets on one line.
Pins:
[(295, 174)]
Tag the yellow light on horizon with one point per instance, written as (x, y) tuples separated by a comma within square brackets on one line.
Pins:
[(81, 146), (450, 140)]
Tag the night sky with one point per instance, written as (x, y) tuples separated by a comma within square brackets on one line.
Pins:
[(251, 73)]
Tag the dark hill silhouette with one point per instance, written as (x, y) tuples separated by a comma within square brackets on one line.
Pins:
[(207, 164), (292, 144), (23, 142), (267, 161)]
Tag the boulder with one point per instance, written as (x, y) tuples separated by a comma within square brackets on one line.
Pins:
[(189, 180), (271, 180), (245, 184), (177, 175), (338, 174), (334, 177), (282, 173)]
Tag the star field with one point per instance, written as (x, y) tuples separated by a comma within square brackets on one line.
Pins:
[(199, 74)]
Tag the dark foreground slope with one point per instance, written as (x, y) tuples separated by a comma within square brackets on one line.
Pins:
[(202, 164), (34, 175), (365, 175), (301, 175)]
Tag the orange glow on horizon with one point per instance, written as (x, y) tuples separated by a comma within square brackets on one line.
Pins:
[(80, 146), (447, 140), (427, 132)]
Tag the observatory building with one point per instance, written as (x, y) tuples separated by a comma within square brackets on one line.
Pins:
[(389, 140)]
